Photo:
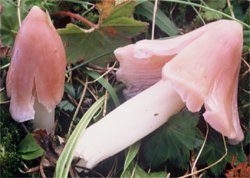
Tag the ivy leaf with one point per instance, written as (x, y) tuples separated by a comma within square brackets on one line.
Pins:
[(173, 141), (115, 28)]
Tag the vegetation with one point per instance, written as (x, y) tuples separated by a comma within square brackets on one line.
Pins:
[(91, 91), (11, 135)]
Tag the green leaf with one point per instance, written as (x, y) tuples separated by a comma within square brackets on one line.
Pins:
[(162, 21), (3, 97), (209, 16), (9, 22), (132, 152), (108, 11), (106, 85), (29, 149), (213, 151), (218, 5), (135, 171), (173, 141), (9, 18), (66, 105), (116, 26), (69, 89), (246, 35), (139, 2), (238, 151), (158, 174), (32, 155)]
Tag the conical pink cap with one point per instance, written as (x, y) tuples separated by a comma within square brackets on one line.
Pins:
[(37, 66)]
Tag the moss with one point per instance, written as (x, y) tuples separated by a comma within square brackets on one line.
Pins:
[(10, 136)]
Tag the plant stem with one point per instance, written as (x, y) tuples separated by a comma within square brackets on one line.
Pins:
[(43, 118), (78, 107), (19, 13), (78, 17), (153, 20)]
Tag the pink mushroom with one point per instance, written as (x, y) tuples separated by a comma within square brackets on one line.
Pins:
[(35, 80), (198, 68)]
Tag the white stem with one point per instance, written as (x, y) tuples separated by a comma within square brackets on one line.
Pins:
[(128, 123), (43, 118)]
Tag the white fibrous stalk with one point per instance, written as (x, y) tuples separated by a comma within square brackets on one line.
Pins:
[(128, 123), (43, 118)]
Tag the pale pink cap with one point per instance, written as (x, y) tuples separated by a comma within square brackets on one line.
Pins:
[(141, 63), (206, 72), (37, 67)]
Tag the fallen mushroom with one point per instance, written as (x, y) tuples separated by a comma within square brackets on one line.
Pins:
[(202, 69), (35, 80)]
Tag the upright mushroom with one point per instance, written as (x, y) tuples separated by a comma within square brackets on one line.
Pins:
[(35, 80), (202, 68)]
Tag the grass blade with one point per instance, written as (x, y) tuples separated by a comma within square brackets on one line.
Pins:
[(106, 85), (132, 152), (209, 9), (162, 21), (66, 157)]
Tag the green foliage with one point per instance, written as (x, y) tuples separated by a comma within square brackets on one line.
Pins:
[(9, 17), (116, 26), (44, 4), (106, 85), (135, 171), (131, 169), (66, 157), (29, 149), (213, 151), (162, 21), (238, 151), (10, 135), (66, 105), (9, 23), (69, 89), (218, 5), (173, 141), (241, 10), (131, 154)]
